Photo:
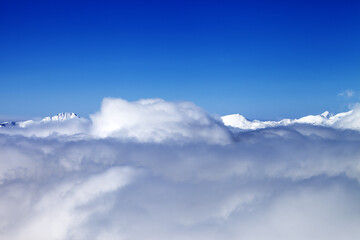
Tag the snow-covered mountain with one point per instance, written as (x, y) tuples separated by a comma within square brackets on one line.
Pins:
[(324, 119), (5, 124), (237, 122), (61, 117)]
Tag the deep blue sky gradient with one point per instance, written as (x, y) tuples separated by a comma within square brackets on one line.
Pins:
[(263, 59)]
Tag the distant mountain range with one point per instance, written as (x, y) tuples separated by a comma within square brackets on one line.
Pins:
[(61, 117), (234, 121), (324, 119)]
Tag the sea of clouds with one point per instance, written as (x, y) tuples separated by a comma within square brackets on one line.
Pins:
[(159, 170)]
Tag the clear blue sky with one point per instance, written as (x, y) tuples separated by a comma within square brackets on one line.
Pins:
[(264, 59)]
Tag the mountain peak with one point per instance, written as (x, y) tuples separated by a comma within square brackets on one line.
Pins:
[(326, 114), (60, 117)]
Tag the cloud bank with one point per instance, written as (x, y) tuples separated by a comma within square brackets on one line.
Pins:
[(159, 170)]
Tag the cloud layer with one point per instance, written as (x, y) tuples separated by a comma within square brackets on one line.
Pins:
[(158, 170)]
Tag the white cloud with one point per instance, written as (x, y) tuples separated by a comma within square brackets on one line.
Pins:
[(347, 93), (155, 120), (288, 182), (59, 211)]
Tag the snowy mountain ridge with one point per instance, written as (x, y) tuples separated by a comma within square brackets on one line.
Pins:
[(60, 117), (348, 119), (324, 119)]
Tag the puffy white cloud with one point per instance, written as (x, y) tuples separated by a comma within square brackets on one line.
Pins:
[(155, 120), (286, 182), (350, 121)]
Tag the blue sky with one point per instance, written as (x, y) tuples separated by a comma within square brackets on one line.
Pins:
[(263, 59)]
